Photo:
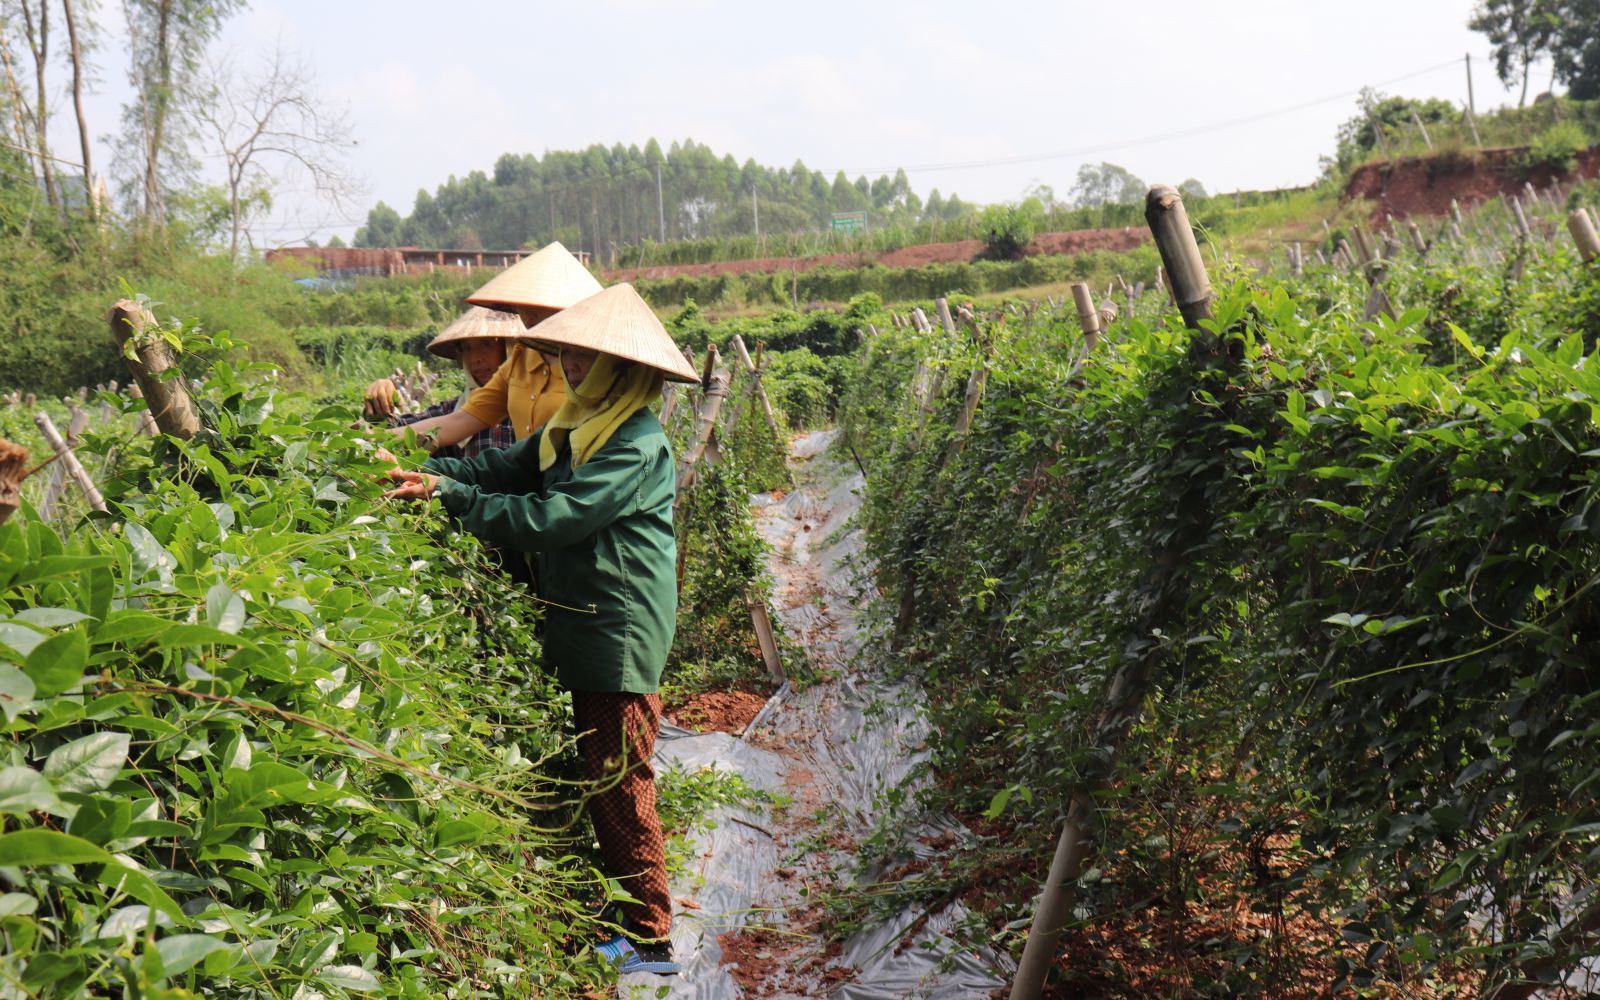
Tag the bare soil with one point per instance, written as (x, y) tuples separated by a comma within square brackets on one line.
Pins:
[(718, 711), (1427, 185), (959, 252)]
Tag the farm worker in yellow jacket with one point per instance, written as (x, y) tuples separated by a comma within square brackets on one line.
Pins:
[(525, 389), (591, 495)]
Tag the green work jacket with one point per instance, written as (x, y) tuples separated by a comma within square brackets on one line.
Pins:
[(602, 534)]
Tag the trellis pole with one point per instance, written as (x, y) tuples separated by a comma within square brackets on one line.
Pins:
[(1180, 255), (710, 406), (68, 460), (760, 390), (1583, 234), (166, 395)]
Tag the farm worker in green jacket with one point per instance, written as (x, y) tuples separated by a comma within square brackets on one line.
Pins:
[(591, 495)]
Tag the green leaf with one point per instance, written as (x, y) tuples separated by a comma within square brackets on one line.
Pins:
[(56, 664), (149, 556), (16, 692), (997, 805), (88, 764), (17, 904), (182, 952), (350, 977), (24, 790), (29, 848), (224, 609), (50, 617)]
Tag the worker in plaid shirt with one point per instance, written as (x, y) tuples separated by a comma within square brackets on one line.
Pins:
[(478, 341)]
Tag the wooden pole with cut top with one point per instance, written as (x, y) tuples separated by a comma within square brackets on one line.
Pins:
[(155, 370), (1191, 288)]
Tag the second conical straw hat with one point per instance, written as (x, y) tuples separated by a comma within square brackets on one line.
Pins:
[(549, 280), (616, 322), (477, 323)]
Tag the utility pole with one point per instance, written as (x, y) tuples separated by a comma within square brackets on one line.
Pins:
[(1472, 107), (755, 212), (661, 205)]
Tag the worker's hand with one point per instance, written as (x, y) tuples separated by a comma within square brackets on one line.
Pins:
[(378, 404), (413, 485)]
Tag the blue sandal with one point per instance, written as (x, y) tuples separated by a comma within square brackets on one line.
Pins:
[(619, 951)]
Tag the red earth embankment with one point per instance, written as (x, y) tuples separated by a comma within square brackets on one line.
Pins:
[(1425, 185), (960, 252)]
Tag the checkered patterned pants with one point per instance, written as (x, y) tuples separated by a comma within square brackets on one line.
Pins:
[(617, 730)]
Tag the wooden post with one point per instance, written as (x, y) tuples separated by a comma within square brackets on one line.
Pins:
[(1088, 315), (710, 406), (1180, 254), (969, 409), (1417, 242), (68, 460), (760, 390), (1523, 229), (919, 319), (13, 467), (1416, 119), (147, 423), (1192, 288), (768, 640), (1583, 234), (942, 306), (166, 395), (1363, 246)]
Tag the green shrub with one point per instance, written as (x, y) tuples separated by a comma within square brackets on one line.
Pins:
[(1557, 148), (1005, 230)]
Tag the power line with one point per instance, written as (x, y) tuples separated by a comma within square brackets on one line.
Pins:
[(1145, 140)]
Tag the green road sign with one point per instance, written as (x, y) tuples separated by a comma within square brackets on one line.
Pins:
[(849, 222)]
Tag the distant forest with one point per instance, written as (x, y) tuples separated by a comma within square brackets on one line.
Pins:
[(602, 199)]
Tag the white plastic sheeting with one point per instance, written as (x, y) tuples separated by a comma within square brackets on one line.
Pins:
[(838, 744)]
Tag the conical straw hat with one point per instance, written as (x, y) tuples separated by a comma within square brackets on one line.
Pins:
[(536, 286), (477, 323), (616, 322)]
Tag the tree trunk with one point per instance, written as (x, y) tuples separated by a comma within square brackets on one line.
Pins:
[(77, 104), (39, 45), (159, 103), (167, 397)]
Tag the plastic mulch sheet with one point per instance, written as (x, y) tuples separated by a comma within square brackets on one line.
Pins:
[(748, 923)]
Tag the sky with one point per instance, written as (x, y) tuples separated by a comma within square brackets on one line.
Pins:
[(981, 99)]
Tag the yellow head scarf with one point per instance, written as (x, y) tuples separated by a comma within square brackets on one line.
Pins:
[(611, 393)]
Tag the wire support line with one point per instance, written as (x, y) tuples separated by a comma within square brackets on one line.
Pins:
[(1143, 140)]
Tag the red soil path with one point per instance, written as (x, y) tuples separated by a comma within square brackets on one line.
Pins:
[(960, 252), (1426, 185)]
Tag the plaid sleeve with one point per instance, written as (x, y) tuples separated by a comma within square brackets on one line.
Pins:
[(436, 410), (501, 435)]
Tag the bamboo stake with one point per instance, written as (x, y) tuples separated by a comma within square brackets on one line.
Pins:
[(1192, 288), (760, 390), (68, 460), (1523, 229), (919, 319), (768, 640), (969, 409), (167, 396), (710, 407), (1180, 254), (1420, 244), (1088, 316), (942, 306), (1583, 234)]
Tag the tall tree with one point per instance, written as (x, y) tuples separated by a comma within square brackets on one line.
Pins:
[(36, 25), (1106, 184), (168, 40), (271, 116), (1577, 49), (1521, 31), (74, 36)]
